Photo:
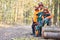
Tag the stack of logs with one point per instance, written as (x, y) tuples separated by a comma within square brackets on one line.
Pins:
[(51, 32)]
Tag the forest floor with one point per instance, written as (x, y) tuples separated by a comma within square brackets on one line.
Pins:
[(18, 33)]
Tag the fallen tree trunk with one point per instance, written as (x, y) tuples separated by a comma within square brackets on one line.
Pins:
[(51, 35), (51, 29), (51, 32)]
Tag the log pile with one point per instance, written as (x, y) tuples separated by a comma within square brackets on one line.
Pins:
[(51, 32)]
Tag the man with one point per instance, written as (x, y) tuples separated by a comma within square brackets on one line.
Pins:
[(34, 20), (39, 26), (37, 10), (46, 16), (40, 6)]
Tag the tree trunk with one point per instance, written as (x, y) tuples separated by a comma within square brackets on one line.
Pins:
[(51, 32), (55, 10), (51, 29), (59, 14), (51, 35)]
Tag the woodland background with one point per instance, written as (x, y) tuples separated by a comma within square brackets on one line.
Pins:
[(20, 12)]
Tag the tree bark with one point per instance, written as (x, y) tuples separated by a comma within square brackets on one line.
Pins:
[(59, 14), (51, 32), (55, 11), (51, 35), (51, 29)]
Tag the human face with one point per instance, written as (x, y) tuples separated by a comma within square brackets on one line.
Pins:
[(45, 11), (41, 7)]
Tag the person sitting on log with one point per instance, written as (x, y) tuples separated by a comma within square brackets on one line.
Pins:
[(46, 17)]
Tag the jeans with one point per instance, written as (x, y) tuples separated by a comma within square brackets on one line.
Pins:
[(33, 28)]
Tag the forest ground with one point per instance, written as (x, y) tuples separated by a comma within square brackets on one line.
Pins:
[(18, 33)]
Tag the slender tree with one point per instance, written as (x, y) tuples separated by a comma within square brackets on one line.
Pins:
[(59, 13), (55, 11)]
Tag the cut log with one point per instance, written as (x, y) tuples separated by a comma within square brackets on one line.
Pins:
[(51, 29), (51, 35), (51, 32)]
